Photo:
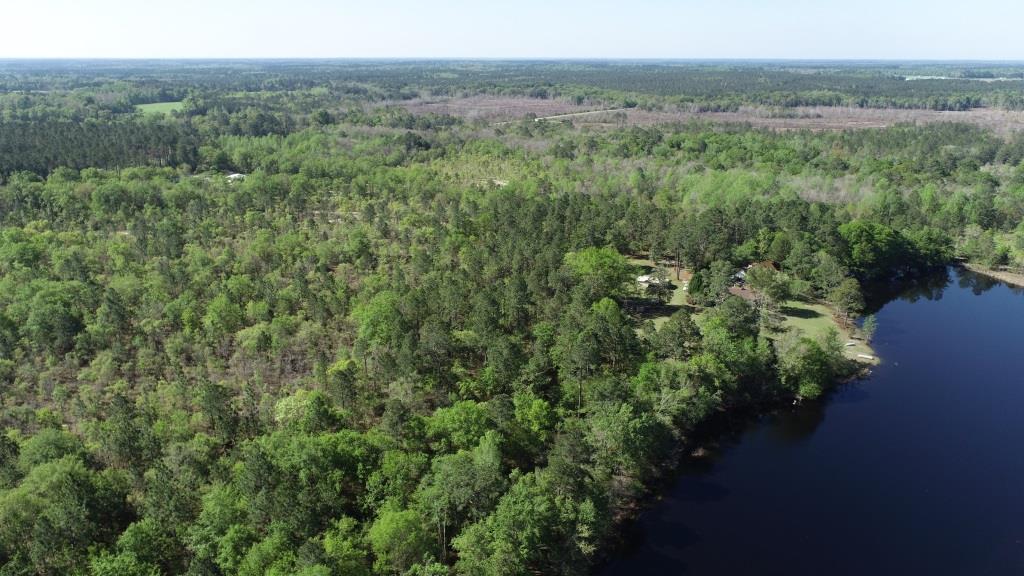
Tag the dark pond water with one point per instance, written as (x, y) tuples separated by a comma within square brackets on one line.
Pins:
[(916, 470)]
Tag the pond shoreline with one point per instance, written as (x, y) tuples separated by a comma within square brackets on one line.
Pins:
[(1012, 278), (775, 470), (700, 446)]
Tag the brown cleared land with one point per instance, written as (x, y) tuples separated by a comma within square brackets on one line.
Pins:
[(831, 118), (497, 109)]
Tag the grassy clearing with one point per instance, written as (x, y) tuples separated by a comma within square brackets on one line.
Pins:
[(159, 107), (678, 295), (814, 321), (678, 299), (493, 108)]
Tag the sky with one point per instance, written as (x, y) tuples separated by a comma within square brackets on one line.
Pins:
[(685, 29)]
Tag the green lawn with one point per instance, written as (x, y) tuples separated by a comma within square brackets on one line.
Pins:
[(678, 299), (159, 107), (814, 320)]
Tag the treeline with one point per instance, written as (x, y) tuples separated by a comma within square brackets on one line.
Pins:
[(41, 146), (81, 115)]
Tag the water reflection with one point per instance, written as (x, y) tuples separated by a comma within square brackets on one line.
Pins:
[(928, 287), (803, 420), (980, 283)]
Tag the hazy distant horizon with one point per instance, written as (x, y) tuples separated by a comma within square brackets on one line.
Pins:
[(513, 59), (687, 30)]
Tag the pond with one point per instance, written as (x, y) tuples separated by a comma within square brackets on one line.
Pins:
[(918, 469)]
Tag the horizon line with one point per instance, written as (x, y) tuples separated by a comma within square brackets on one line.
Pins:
[(504, 59)]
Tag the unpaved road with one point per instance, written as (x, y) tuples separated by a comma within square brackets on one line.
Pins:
[(568, 115)]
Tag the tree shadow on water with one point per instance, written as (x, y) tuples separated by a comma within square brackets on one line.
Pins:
[(850, 394), (796, 425), (801, 421), (977, 283), (652, 550), (700, 491)]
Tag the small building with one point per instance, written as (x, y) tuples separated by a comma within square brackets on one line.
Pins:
[(235, 177), (648, 280)]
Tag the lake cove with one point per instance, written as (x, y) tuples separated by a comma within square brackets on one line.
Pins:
[(916, 470)]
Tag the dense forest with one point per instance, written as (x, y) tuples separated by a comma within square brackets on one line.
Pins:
[(290, 327)]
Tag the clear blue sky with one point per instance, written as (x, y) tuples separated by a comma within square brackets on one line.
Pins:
[(803, 29)]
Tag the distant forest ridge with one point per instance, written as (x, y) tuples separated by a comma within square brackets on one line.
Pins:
[(708, 84), (118, 113)]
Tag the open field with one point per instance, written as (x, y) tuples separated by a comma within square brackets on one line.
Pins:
[(159, 107), (827, 118), (497, 109)]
